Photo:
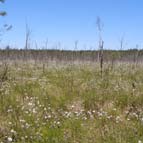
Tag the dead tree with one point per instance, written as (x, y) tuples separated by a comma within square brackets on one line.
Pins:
[(101, 44), (27, 41), (27, 37)]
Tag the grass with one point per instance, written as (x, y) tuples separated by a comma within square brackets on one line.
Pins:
[(71, 104)]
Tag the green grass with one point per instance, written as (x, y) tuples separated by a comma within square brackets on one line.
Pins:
[(71, 104)]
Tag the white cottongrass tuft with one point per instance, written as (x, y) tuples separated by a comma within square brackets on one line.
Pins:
[(9, 139), (139, 141)]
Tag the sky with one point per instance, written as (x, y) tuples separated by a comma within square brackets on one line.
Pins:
[(60, 23)]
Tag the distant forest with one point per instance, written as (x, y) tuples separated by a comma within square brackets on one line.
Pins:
[(133, 55)]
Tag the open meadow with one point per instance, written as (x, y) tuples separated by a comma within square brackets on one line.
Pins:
[(71, 103)]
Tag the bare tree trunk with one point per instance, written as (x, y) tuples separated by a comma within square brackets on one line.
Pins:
[(27, 41), (100, 27), (101, 58)]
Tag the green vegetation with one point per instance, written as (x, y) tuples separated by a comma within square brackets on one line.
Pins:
[(71, 103)]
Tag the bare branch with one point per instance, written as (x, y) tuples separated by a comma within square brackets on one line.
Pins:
[(99, 24)]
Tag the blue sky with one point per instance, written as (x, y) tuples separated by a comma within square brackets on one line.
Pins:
[(65, 21)]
